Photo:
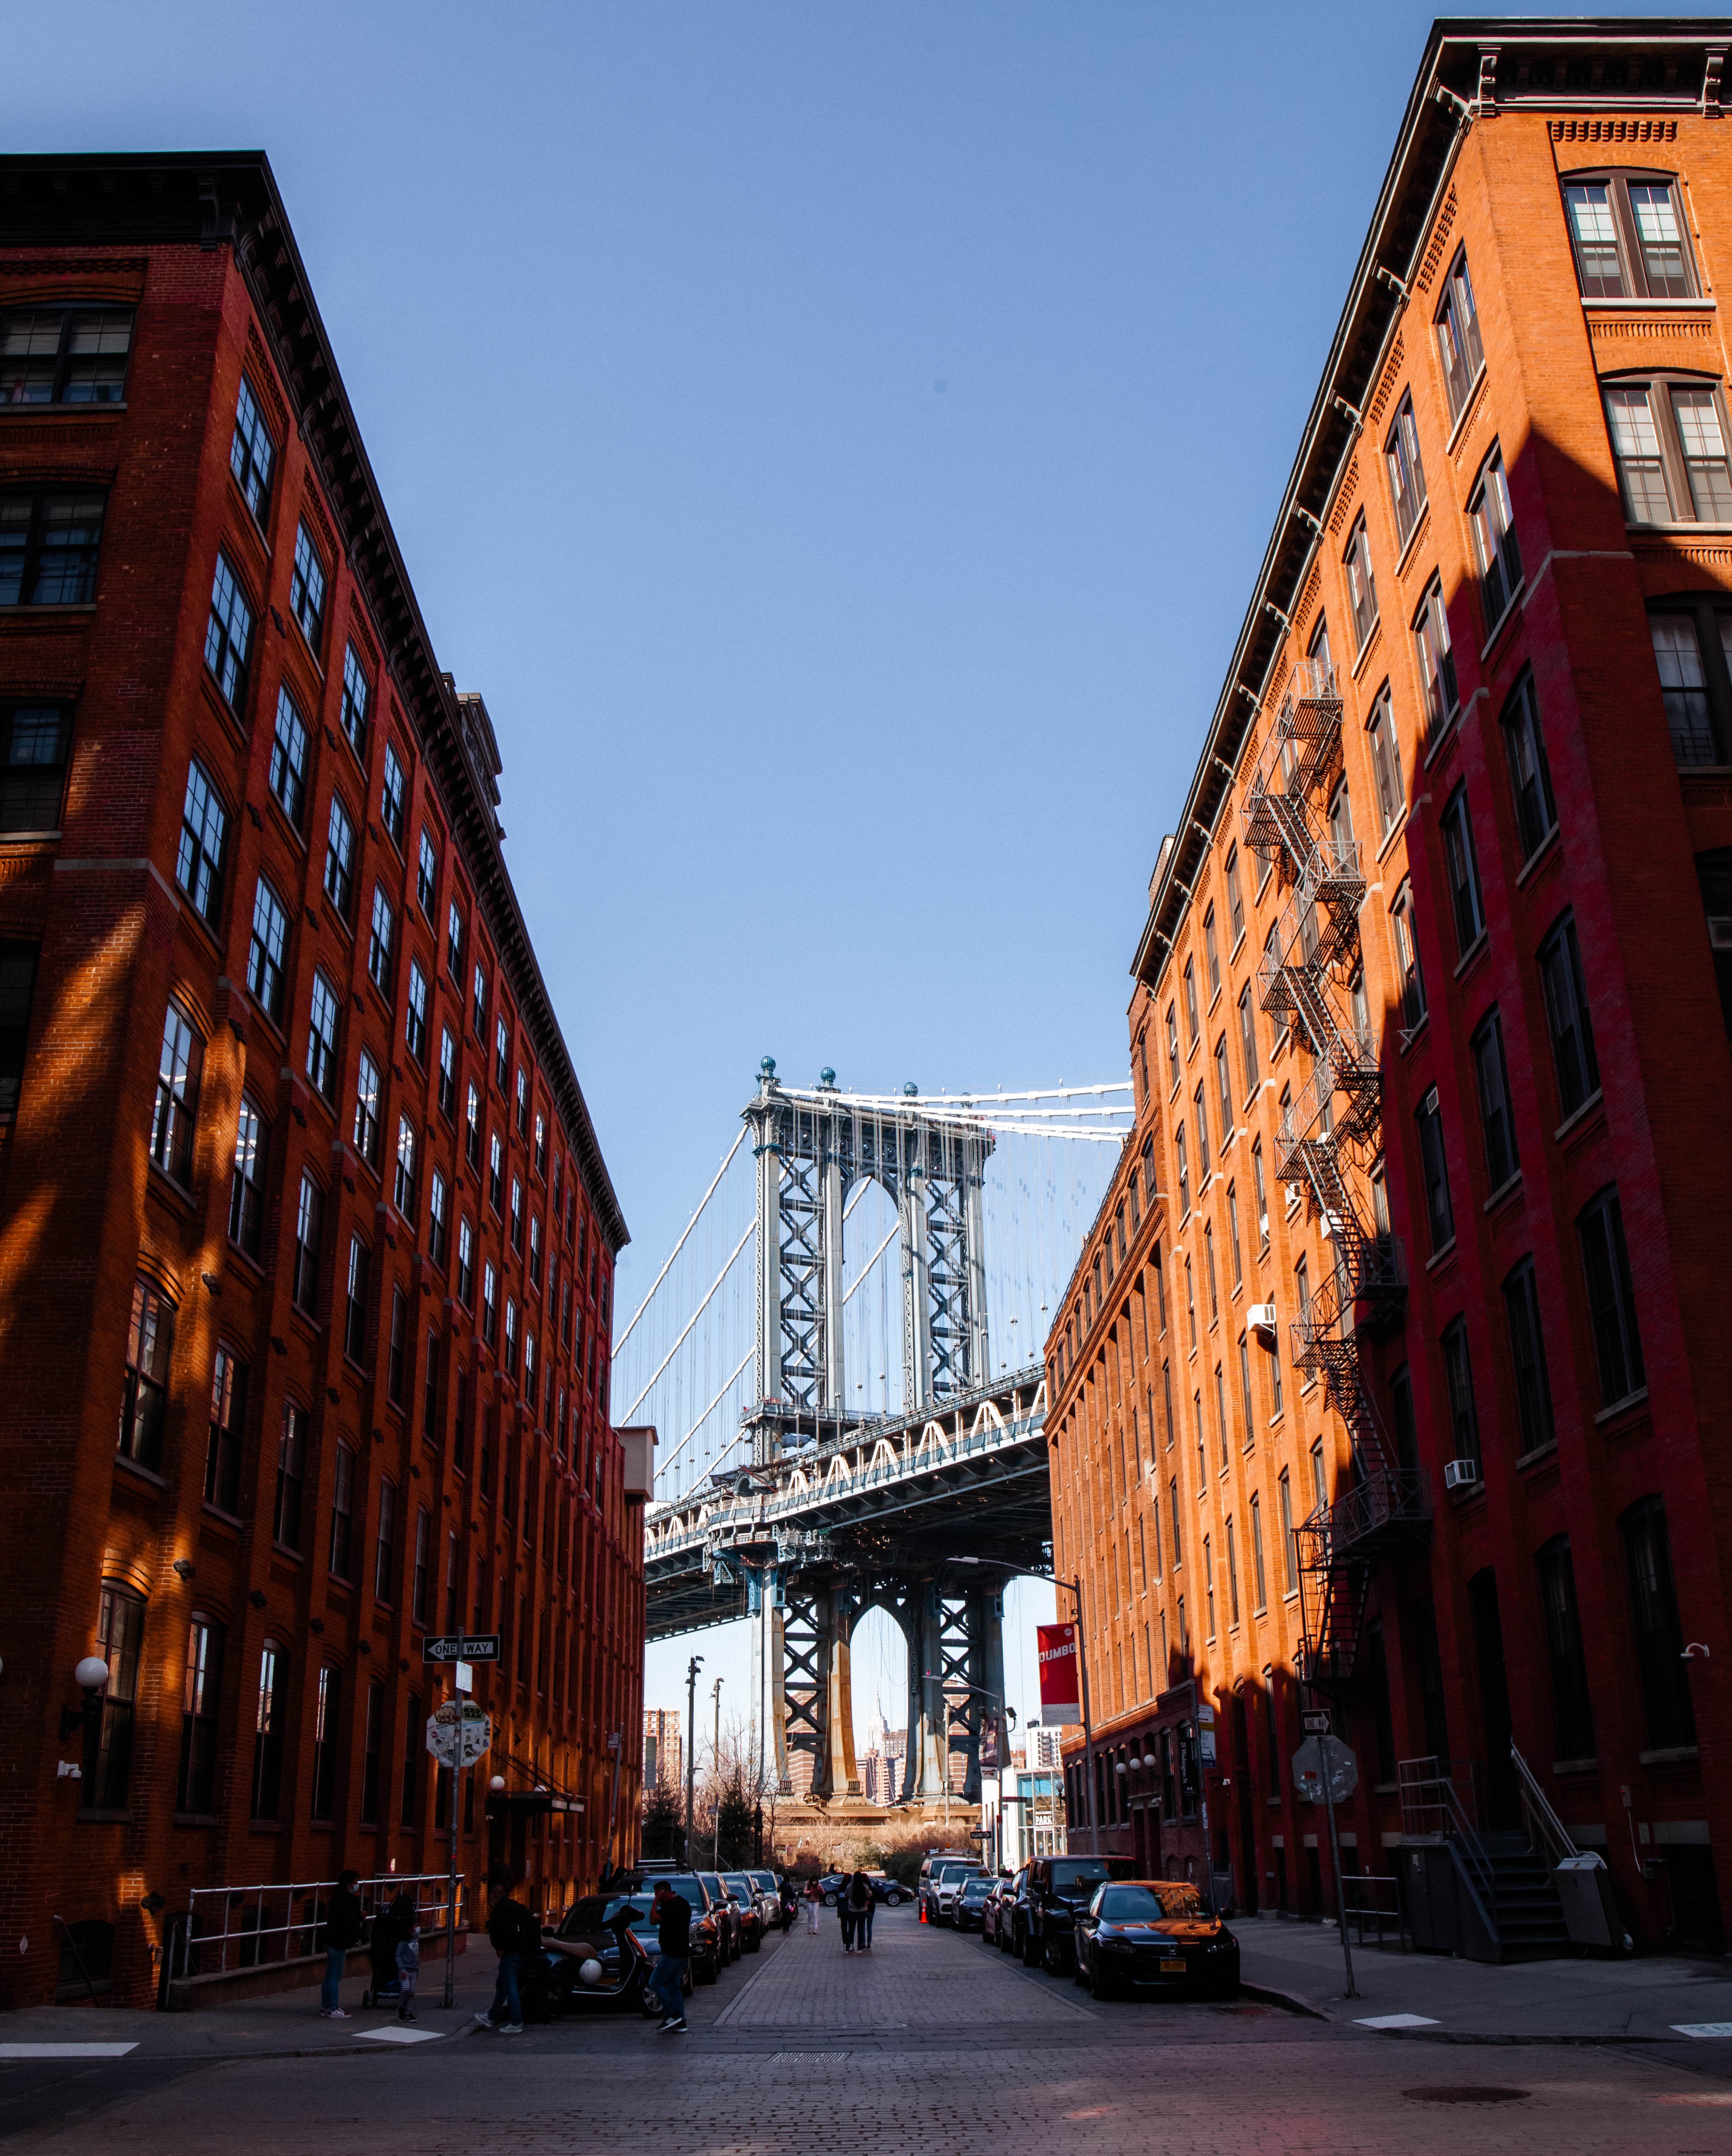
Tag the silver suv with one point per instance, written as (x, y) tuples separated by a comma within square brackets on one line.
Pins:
[(940, 1879)]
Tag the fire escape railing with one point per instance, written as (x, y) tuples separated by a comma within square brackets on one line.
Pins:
[(1329, 1127)]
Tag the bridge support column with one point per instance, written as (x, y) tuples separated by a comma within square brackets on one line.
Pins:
[(917, 1300), (928, 1764), (974, 1224), (842, 1776), (985, 1621), (835, 1388)]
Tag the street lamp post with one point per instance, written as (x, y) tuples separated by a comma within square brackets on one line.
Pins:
[(716, 1769), (691, 1670), (1006, 1715)]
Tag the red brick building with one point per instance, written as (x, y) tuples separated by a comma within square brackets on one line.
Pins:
[(1418, 1361), (307, 1244)]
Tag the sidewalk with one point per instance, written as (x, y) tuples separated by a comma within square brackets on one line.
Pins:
[(1583, 2001), (279, 2025)]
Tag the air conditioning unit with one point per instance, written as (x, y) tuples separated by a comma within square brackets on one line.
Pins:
[(1261, 1318), (1461, 1474)]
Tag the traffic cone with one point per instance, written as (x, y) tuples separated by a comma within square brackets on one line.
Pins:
[(923, 1908)]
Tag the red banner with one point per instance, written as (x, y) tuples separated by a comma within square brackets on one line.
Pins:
[(1061, 1690)]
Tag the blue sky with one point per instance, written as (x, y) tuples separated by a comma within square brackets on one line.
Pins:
[(837, 440)]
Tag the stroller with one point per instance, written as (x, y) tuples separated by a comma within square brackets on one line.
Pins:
[(390, 1926)]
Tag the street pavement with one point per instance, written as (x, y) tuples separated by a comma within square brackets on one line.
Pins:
[(932, 2045)]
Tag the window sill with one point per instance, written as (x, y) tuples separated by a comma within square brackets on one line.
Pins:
[(197, 1818), (1366, 649), (1666, 1755), (33, 613), (1440, 1257), (29, 838), (163, 1183), (1541, 854), (1411, 540), (17, 412), (1700, 303), (1683, 529), (1394, 832), (1549, 1451), (1577, 1116), (1623, 1407), (1513, 606), (1473, 953), (1470, 404), (1504, 1190), (282, 1549), (147, 1475), (216, 1512), (1576, 1766), (1446, 730), (94, 1815)]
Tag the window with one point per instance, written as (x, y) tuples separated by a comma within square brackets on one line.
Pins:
[(535, 1251), (540, 1145), (108, 1742), (52, 355), (1527, 1354), (402, 1187), (1258, 1573), (1695, 410), (267, 954), (393, 795), (1714, 878), (495, 1172), (427, 876), (429, 1395), (454, 944), (340, 858), (1437, 658), (1458, 1376), (1386, 763), (1261, 1191), (176, 1100), (1497, 1123), (522, 1103), (33, 769), (510, 1358), (246, 1194), (48, 548), (367, 1109), (309, 1228), (321, 1038), (268, 1717), (1611, 1301), (342, 1513), (1172, 1518), (472, 1126), (1458, 855), (1407, 473), (195, 1790), (1209, 1268), (357, 700), (1536, 813), (228, 1414), (1223, 1092), (1628, 238), (1657, 1633), (327, 1719), (1236, 895), (1289, 1535), (227, 635), (1457, 325), (1361, 585), (516, 1230), (290, 1471), (1500, 554), (1203, 1167), (413, 1754), (1572, 1714), (1567, 1016), (355, 1302), (1440, 1218), (1190, 1003), (382, 942), (1232, 1576), (251, 453), (1407, 965), (385, 1543), (1178, 1154), (418, 1591), (144, 1386), (478, 1005), (465, 1265), (490, 1302), (1173, 1057), (372, 1745), (306, 589), (1209, 1584), (204, 830), (397, 1354), (1691, 717), (502, 1053), (1213, 952), (288, 759), (447, 1071), (1233, 1235), (414, 1024), (438, 1206)]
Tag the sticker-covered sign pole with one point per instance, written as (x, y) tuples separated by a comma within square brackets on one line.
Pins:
[(1325, 1772)]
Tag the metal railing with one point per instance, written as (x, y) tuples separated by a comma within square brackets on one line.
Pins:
[(1546, 1830), (1373, 1903), (1443, 1797), (226, 1929)]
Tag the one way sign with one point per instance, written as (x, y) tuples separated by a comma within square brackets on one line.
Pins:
[(461, 1647)]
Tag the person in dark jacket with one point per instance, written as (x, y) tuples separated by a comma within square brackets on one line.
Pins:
[(513, 1933), (343, 1926), (672, 1913), (863, 1904)]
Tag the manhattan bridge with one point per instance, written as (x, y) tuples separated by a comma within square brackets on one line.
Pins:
[(842, 1357)]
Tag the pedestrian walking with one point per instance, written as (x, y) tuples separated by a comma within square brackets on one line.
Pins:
[(814, 1903), (861, 1903), (672, 1913), (343, 1926), (513, 1933), (406, 1937)]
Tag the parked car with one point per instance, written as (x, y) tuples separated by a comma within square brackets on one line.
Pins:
[(995, 1909), (966, 1910), (935, 1872), (1059, 1889), (1153, 1935), (728, 1916), (830, 1887), (889, 1893), (769, 1889), (948, 1888), (753, 1923), (709, 1955)]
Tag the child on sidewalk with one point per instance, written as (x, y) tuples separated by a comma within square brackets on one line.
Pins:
[(404, 1922)]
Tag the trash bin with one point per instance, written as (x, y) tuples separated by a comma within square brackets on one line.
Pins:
[(1591, 1916)]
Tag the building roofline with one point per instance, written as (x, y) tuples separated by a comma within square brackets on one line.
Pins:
[(230, 197), (1442, 104)]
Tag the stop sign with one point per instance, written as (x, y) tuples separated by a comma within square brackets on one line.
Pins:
[(1325, 1770)]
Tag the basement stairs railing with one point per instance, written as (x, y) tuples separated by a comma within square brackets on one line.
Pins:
[(1330, 1132)]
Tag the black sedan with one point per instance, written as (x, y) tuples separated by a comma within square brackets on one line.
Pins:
[(1153, 1935), (966, 1910)]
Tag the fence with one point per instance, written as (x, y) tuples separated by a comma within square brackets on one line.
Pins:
[(227, 1928), (1373, 1903)]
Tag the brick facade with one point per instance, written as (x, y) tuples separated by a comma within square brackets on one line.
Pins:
[(1468, 1629), (394, 1465)]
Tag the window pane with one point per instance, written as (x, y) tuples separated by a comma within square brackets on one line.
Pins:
[(1678, 655), (1636, 445), (1594, 232), (1704, 447), (1658, 235)]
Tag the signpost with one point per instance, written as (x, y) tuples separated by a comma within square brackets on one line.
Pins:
[(459, 1732), (1325, 1772)]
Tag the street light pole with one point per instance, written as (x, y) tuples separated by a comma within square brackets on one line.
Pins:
[(691, 1670), (1074, 1586), (716, 1769)]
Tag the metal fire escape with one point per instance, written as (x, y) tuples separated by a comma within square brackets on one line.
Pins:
[(1323, 1145)]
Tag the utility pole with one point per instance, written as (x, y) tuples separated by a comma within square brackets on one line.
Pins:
[(716, 1769), (691, 1670)]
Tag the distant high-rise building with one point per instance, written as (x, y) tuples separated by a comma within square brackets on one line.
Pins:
[(663, 1762)]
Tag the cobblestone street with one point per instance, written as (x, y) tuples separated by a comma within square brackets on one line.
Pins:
[(930, 2043)]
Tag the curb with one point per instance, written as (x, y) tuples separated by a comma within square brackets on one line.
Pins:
[(1268, 1995)]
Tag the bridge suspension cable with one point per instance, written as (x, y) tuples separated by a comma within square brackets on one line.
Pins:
[(726, 1159)]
